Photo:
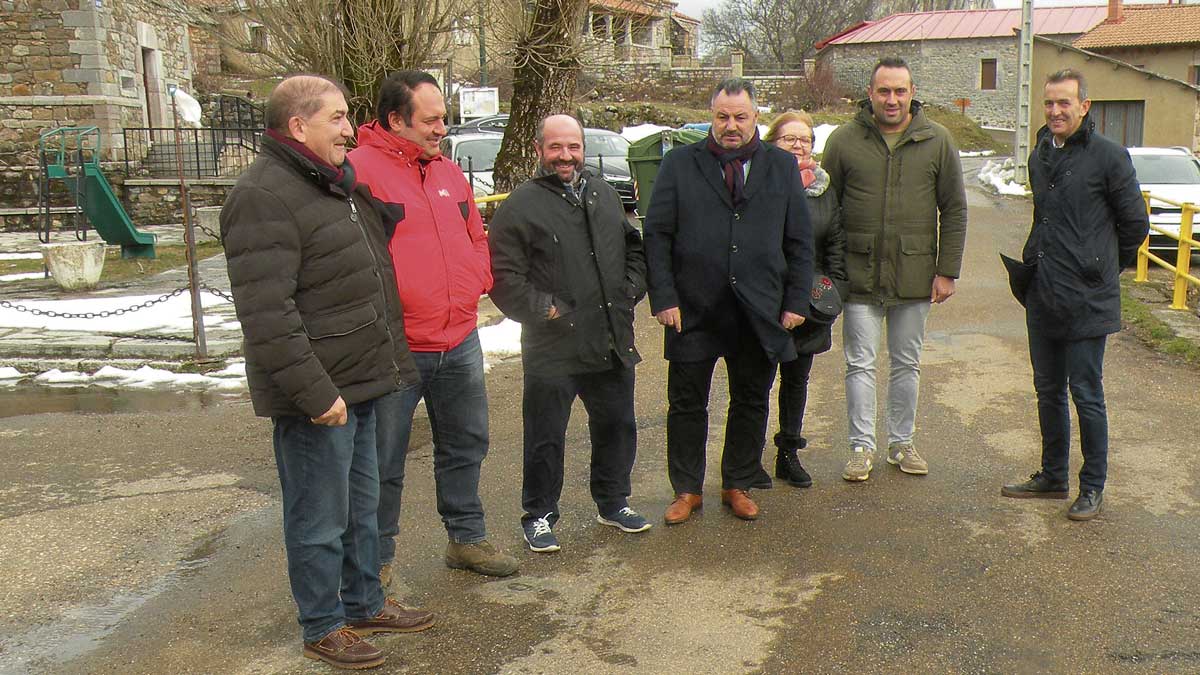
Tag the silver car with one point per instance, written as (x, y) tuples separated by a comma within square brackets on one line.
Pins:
[(1170, 173)]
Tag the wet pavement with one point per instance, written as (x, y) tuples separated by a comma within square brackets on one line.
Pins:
[(149, 540)]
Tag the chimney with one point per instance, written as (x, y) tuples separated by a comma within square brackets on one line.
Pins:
[(1116, 13)]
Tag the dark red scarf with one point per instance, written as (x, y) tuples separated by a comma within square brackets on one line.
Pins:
[(342, 176), (732, 162)]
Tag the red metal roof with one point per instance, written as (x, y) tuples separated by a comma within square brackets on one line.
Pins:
[(970, 23)]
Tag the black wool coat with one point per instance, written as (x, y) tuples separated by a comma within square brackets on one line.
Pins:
[(584, 258), (312, 286), (730, 270), (1088, 221), (829, 247)]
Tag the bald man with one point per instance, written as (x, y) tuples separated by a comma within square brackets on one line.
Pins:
[(323, 340), (570, 268)]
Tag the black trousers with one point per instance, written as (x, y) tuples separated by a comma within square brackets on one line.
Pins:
[(751, 375), (793, 398), (546, 406)]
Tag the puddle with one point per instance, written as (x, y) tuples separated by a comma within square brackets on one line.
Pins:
[(81, 629), (34, 399)]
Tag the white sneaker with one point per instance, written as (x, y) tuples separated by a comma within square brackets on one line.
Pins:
[(859, 466), (905, 456)]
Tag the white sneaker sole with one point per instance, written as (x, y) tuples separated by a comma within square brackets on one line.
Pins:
[(612, 523), (916, 472), (544, 549)]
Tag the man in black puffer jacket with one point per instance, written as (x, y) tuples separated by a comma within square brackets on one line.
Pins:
[(324, 337), (570, 268), (1088, 221)]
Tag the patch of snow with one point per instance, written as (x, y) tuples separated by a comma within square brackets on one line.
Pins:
[(976, 153), (174, 314), (10, 373), (641, 131), (820, 135), (22, 275), (999, 175), (502, 339), (146, 377)]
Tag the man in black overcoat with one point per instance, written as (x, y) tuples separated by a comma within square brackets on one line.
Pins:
[(729, 257)]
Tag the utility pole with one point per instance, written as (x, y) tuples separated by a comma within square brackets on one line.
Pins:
[(482, 43), (1024, 93), (189, 235)]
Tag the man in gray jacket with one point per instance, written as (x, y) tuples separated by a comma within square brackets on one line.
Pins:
[(324, 338), (570, 267), (899, 181)]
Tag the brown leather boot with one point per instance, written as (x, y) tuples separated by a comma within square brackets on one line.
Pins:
[(393, 618), (740, 503), (681, 509), (343, 648)]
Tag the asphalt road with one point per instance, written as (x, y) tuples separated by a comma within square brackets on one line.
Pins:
[(150, 542)]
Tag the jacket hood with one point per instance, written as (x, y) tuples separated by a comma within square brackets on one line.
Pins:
[(918, 129), (373, 135)]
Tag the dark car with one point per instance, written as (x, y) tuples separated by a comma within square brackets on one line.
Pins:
[(607, 153), (492, 124)]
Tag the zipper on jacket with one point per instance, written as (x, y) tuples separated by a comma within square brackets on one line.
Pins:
[(387, 315)]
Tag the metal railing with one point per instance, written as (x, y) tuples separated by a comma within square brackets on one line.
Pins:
[(1183, 256), (206, 152)]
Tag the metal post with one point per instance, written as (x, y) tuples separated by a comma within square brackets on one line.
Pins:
[(1183, 260), (482, 43), (189, 238), (1024, 93), (1143, 263)]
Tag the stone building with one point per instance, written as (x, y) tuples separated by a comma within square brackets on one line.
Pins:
[(106, 63), (962, 58), (639, 31)]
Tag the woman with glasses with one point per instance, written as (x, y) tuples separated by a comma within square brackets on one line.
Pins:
[(793, 131)]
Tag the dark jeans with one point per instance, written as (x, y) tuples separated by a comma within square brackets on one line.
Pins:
[(330, 482), (452, 385), (751, 375), (608, 398), (793, 397), (1077, 365)]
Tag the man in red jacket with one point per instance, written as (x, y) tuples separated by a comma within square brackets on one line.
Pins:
[(440, 254)]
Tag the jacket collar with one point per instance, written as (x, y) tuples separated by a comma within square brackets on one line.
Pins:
[(551, 182), (1081, 136), (373, 135), (918, 129), (322, 175)]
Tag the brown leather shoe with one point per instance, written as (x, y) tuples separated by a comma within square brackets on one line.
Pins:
[(740, 503), (681, 509), (343, 648), (394, 618)]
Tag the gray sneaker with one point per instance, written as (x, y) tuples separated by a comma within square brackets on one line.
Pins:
[(905, 456), (859, 466), (481, 558)]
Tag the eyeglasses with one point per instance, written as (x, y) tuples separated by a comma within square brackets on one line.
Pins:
[(793, 140)]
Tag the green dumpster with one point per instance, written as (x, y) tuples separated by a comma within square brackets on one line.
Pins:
[(646, 154)]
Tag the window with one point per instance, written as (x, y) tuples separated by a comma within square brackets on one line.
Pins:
[(987, 74), (258, 38)]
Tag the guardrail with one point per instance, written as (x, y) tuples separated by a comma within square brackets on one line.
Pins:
[(1183, 256)]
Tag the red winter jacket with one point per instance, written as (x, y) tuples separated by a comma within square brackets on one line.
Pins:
[(439, 249)]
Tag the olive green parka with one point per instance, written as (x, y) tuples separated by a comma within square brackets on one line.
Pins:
[(904, 210)]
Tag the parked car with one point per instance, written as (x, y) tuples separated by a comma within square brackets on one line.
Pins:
[(492, 124), (1171, 173), (475, 154)]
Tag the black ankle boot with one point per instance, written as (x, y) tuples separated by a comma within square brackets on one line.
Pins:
[(788, 468)]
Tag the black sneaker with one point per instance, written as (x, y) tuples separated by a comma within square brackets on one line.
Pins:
[(1087, 505), (1038, 486), (540, 535)]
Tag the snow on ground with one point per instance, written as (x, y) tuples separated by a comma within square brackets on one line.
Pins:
[(641, 131), (20, 256), (820, 135), (502, 339), (976, 153), (22, 275), (232, 378), (174, 314), (1000, 176)]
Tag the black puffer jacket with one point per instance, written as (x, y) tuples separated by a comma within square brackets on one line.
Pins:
[(1088, 221), (585, 259), (312, 286), (829, 251)]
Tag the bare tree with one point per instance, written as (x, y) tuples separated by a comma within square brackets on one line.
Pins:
[(354, 41), (545, 57)]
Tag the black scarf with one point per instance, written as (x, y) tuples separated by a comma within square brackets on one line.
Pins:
[(731, 164)]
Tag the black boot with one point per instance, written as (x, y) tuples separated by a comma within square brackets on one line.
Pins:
[(788, 468)]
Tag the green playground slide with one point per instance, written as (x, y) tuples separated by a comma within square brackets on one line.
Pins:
[(108, 217)]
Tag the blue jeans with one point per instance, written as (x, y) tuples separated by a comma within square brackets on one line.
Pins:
[(452, 385), (1077, 365), (330, 482)]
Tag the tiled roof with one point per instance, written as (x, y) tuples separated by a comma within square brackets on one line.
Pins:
[(629, 6), (970, 23), (1143, 26)]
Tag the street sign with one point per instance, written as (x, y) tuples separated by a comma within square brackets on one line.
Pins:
[(478, 101)]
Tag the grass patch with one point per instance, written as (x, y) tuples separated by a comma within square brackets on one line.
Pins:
[(169, 257), (1154, 332)]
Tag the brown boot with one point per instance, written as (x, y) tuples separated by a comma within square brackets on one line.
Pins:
[(681, 509), (740, 503), (393, 618), (343, 648)]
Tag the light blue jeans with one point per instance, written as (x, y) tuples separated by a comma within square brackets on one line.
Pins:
[(862, 330)]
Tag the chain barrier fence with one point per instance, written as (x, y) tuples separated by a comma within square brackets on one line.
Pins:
[(107, 313)]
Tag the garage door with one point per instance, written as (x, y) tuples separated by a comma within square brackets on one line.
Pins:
[(1120, 121)]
